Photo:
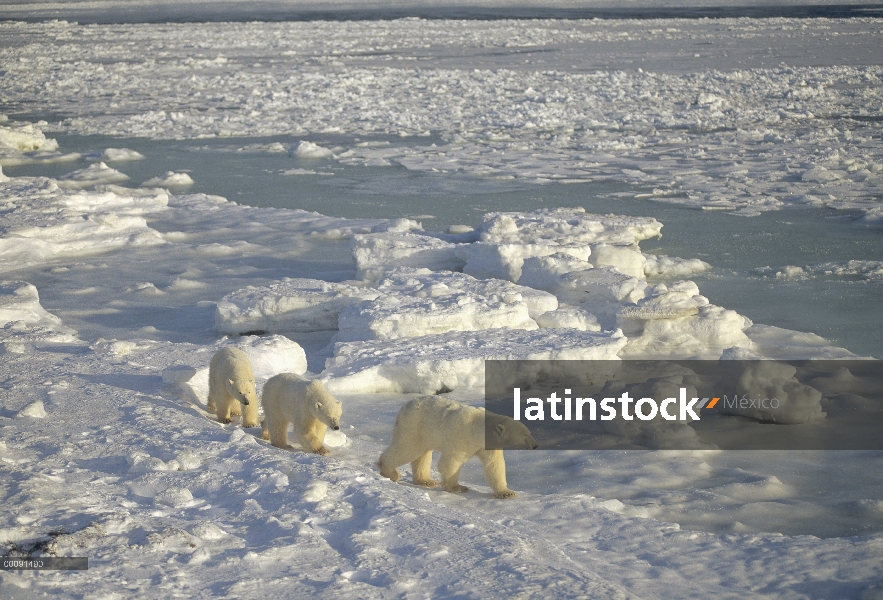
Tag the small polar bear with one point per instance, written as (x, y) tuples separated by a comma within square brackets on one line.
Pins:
[(289, 398), (458, 432), (231, 389)]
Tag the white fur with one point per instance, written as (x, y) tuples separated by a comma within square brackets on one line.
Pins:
[(289, 398), (231, 389), (458, 432)]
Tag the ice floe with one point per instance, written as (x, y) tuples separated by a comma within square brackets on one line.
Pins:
[(506, 240), (853, 269), (83, 223), (306, 149), (97, 174), (414, 303), (287, 306), (376, 253), (170, 180), (454, 360), (25, 143)]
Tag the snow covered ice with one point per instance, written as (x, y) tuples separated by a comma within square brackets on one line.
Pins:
[(123, 272)]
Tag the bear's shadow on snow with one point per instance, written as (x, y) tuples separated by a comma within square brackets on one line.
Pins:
[(112, 465), (133, 382)]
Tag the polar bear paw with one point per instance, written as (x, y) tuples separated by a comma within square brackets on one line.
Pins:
[(504, 494), (457, 489)]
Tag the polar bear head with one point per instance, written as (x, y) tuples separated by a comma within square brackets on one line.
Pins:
[(243, 389), (325, 407), (506, 432)]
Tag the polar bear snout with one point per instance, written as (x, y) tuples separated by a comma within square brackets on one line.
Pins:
[(336, 427)]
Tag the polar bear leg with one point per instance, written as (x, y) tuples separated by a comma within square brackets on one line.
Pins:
[(449, 466), (394, 457), (223, 406), (312, 435), (495, 472), (250, 415), (213, 397), (420, 470), (278, 429), (235, 407)]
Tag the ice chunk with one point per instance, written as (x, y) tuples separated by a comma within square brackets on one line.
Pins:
[(414, 303), (819, 174), (626, 258), (566, 226), (672, 266), (542, 272), (20, 303), (174, 496), (377, 253), (680, 299), (599, 285), (170, 180), (569, 317), (703, 335), (390, 317), (858, 269), (844, 382), (447, 361), (35, 410), (425, 282), (507, 239), (120, 155), (24, 143), (305, 149), (769, 380), (775, 342), (290, 305), (25, 137), (273, 354), (487, 260), (91, 176)]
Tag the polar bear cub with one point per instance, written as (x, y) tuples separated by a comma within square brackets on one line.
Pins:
[(458, 432), (289, 398), (231, 389)]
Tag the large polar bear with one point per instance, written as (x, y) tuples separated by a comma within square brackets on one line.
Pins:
[(289, 398), (231, 389), (458, 432)]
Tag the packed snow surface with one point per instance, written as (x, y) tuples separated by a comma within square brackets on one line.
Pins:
[(105, 445)]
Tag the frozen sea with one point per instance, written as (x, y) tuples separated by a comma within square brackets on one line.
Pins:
[(165, 183)]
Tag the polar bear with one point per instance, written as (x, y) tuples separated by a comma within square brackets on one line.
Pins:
[(458, 432), (231, 389), (289, 398)]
